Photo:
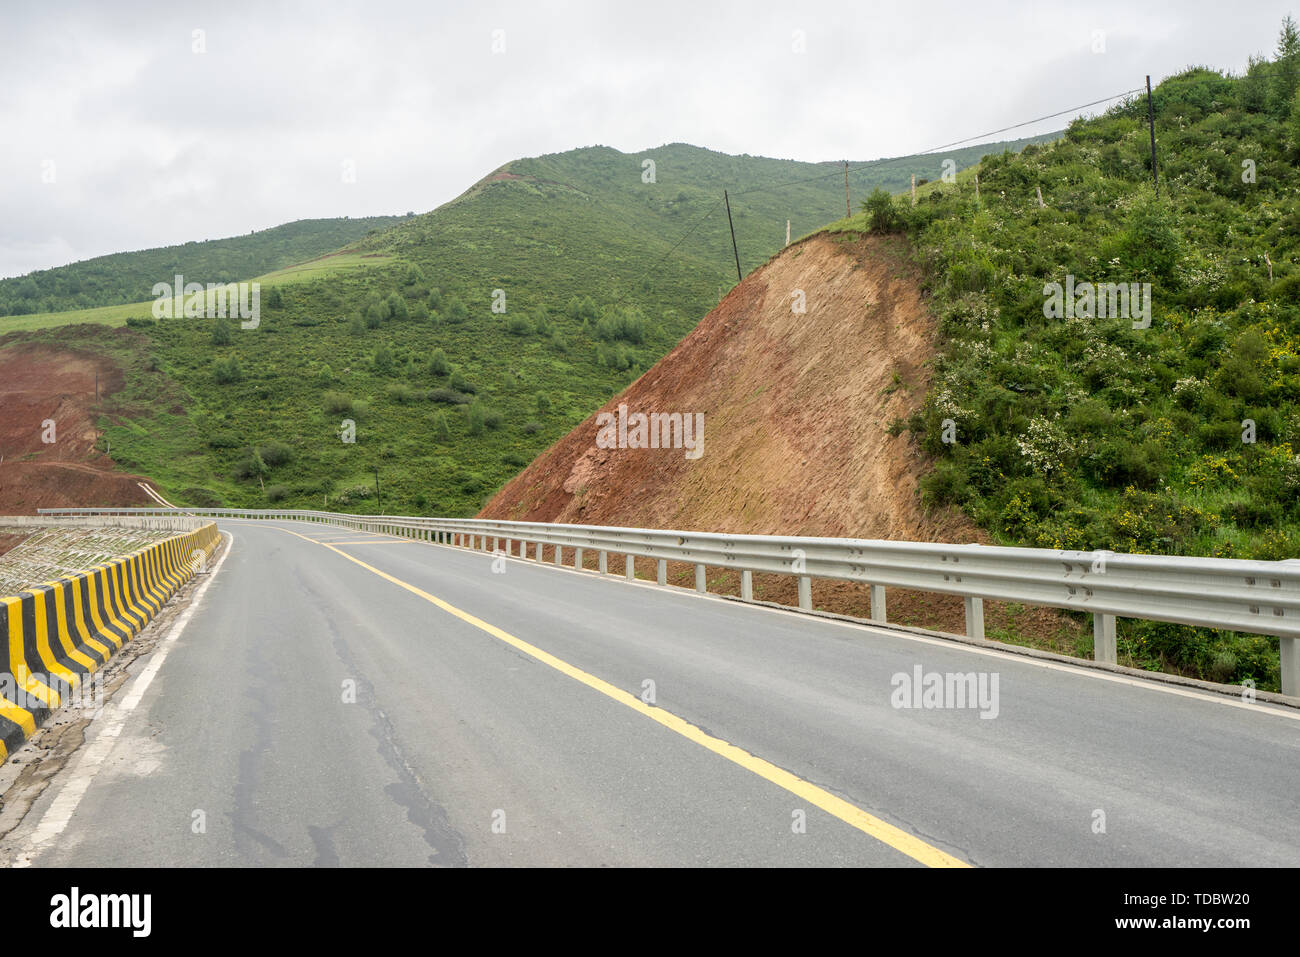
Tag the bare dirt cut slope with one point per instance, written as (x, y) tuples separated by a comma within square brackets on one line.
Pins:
[(42, 383), (797, 408)]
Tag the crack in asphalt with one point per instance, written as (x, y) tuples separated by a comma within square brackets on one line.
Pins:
[(447, 845)]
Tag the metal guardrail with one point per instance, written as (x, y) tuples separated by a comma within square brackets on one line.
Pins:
[(1248, 596)]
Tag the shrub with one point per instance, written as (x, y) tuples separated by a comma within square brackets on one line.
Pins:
[(227, 370), (276, 493), (441, 427), (251, 466), (518, 325), (885, 216), (461, 384), (397, 307), (337, 403), (456, 310), (475, 418), (622, 324), (381, 360), (221, 334), (449, 396), (439, 364), (275, 453), (400, 392)]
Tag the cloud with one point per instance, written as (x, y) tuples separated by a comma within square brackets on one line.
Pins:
[(155, 144)]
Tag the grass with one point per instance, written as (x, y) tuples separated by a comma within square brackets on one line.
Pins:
[(1180, 437)]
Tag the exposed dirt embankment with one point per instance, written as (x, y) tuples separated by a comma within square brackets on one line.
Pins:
[(48, 392), (797, 406)]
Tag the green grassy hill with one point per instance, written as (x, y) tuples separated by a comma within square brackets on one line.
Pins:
[(601, 275), (129, 277), (1088, 433)]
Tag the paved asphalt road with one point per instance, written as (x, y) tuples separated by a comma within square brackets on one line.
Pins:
[(462, 747)]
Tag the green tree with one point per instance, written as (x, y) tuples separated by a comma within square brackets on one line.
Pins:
[(1293, 127), (1286, 67), (475, 417), (227, 370), (456, 310), (885, 216), (439, 365), (441, 427)]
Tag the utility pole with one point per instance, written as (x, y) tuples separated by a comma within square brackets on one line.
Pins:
[(726, 199), (847, 210), (1151, 120), (913, 189), (977, 189), (787, 232)]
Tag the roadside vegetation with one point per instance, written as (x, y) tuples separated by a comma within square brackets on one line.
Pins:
[(1099, 433)]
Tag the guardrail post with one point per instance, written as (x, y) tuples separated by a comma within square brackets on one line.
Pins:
[(539, 551), (1103, 639), (559, 554), (603, 563), (1290, 649), (700, 584), (661, 574), (878, 603), (746, 585), (974, 617), (805, 593), (629, 567)]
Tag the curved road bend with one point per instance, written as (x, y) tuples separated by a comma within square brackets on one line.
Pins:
[(343, 698)]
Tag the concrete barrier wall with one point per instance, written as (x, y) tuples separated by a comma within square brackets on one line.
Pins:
[(168, 523), (59, 634)]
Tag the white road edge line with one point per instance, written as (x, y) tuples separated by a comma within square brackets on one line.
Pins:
[(65, 803), (1279, 711)]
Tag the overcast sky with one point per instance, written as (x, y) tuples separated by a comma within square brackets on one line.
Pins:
[(149, 143)]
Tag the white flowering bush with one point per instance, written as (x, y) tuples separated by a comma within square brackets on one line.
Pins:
[(1046, 446)]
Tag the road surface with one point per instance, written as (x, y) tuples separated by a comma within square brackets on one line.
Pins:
[(343, 698)]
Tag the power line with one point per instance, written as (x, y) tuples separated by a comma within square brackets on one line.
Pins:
[(694, 227), (934, 149)]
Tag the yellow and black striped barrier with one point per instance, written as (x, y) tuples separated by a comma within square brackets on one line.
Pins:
[(59, 634)]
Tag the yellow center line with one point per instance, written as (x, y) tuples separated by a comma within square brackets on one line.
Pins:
[(850, 814)]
